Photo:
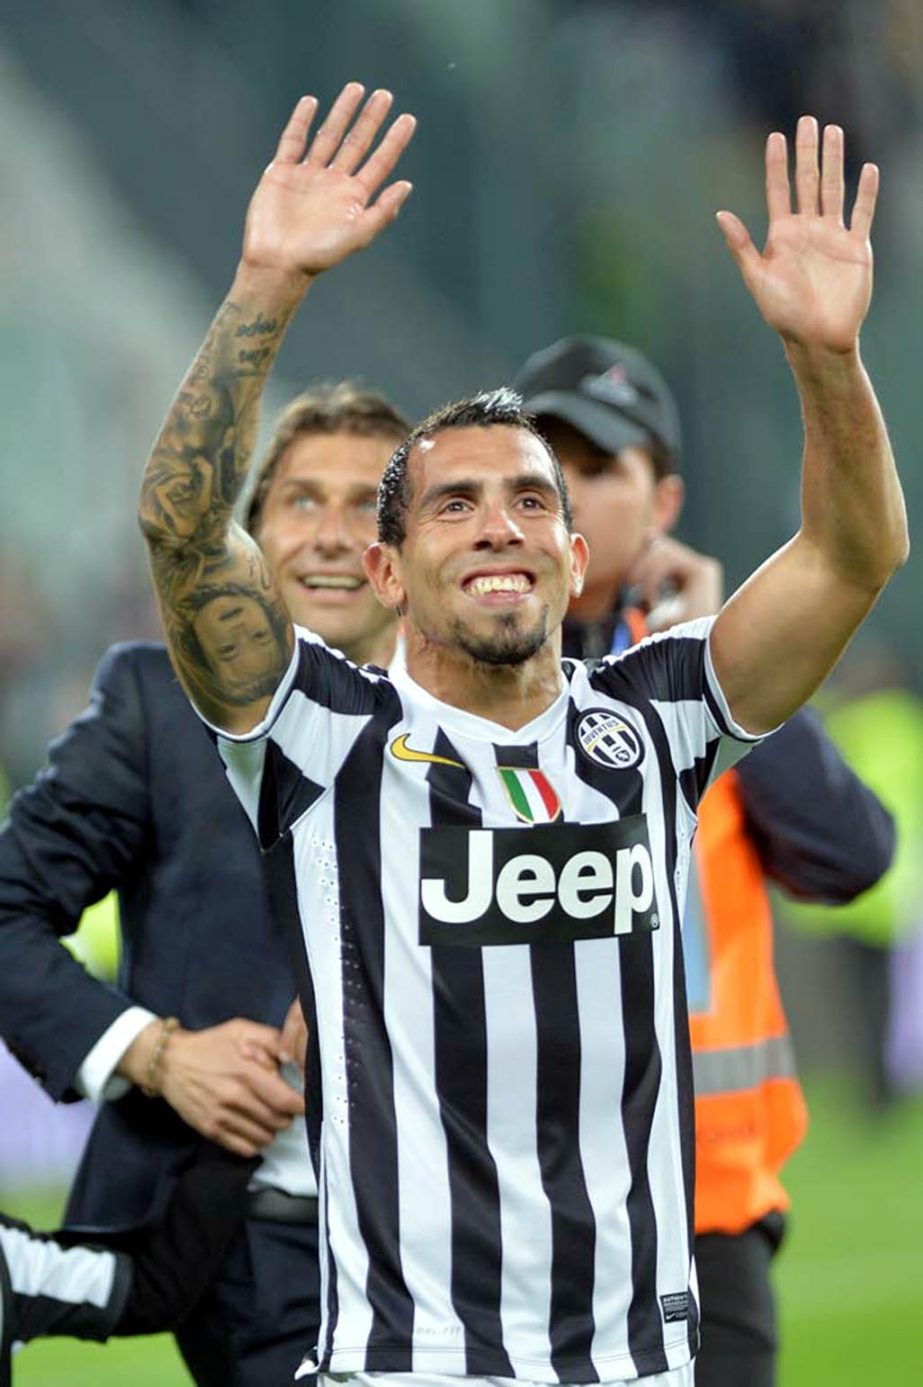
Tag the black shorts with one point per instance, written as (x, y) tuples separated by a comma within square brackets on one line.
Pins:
[(738, 1308)]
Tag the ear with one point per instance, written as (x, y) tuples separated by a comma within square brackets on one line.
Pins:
[(579, 558), (669, 495), (382, 564)]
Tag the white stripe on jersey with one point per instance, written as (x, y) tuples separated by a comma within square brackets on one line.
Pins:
[(504, 1068), (74, 1276)]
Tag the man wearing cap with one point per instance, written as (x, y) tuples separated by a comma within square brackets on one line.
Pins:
[(791, 812)]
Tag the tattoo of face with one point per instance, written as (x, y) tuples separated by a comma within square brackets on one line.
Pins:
[(229, 634)]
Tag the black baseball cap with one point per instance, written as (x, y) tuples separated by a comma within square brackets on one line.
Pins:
[(606, 390)]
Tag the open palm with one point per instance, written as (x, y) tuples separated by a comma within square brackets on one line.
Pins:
[(813, 280), (312, 208)]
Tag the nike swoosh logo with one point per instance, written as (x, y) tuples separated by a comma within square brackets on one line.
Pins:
[(402, 752)]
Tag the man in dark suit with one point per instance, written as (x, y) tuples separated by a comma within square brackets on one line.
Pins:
[(199, 1034)]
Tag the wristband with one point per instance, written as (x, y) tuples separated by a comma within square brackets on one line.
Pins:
[(149, 1086)]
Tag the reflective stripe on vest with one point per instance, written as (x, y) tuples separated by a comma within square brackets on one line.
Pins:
[(743, 1066)]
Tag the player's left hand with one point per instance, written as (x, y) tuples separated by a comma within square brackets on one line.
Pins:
[(314, 204), (813, 280)]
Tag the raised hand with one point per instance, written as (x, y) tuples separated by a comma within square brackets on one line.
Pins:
[(813, 280), (313, 206)]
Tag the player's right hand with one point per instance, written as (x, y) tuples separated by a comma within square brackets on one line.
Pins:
[(224, 1081), (313, 207)]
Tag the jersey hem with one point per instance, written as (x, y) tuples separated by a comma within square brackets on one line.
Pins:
[(393, 1358)]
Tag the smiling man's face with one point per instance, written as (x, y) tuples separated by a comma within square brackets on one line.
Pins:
[(317, 518), (487, 566)]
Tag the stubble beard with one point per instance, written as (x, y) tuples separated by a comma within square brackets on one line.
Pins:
[(507, 644)]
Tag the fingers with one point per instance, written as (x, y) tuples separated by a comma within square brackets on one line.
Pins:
[(255, 1040), (863, 211), (239, 1134), (293, 1042), (291, 145), (278, 1096), (382, 163), (357, 143), (807, 173), (831, 184), (778, 194), (339, 118)]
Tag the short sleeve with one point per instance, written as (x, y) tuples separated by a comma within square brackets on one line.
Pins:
[(673, 674), (280, 768)]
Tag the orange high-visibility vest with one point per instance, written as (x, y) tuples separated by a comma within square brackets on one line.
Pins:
[(750, 1112)]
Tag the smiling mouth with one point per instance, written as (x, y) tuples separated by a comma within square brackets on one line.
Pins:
[(485, 584), (331, 582)]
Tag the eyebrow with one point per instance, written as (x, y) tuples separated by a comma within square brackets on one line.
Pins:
[(470, 486)]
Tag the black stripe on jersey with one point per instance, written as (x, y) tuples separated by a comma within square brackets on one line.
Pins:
[(285, 794), (669, 669), (522, 758), (573, 1225), (369, 1064), (325, 1350), (460, 1035), (643, 1068), (694, 780), (682, 1044), (334, 682), (714, 707), (643, 1064)]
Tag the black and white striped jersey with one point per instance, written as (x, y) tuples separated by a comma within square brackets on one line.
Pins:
[(49, 1289), (499, 1099)]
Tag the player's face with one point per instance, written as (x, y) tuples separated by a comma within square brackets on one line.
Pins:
[(487, 566), (317, 519), (619, 505)]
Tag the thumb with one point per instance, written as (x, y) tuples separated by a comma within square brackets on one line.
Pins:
[(738, 242), (386, 206)]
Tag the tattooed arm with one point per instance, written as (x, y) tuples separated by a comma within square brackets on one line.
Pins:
[(228, 631)]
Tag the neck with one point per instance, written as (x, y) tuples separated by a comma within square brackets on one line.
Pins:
[(595, 603), (510, 695), (377, 649)]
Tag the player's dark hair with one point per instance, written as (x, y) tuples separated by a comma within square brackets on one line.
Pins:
[(330, 407), (487, 409)]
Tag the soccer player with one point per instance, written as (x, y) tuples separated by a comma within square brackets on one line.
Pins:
[(134, 799), (51, 1284), (486, 854), (791, 812)]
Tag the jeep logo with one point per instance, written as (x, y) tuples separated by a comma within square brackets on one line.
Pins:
[(551, 884)]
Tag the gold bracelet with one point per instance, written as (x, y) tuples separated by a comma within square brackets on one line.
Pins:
[(150, 1087)]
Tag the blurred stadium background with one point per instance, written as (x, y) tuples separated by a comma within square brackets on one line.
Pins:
[(570, 157)]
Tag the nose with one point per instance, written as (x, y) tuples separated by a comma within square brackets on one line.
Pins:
[(333, 535), (499, 528)]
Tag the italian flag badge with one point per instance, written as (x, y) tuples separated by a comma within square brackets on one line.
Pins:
[(531, 794)]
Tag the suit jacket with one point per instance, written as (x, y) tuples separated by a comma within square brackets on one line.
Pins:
[(134, 798)]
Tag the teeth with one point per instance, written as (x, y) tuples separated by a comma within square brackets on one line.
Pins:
[(499, 582), (332, 580)]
